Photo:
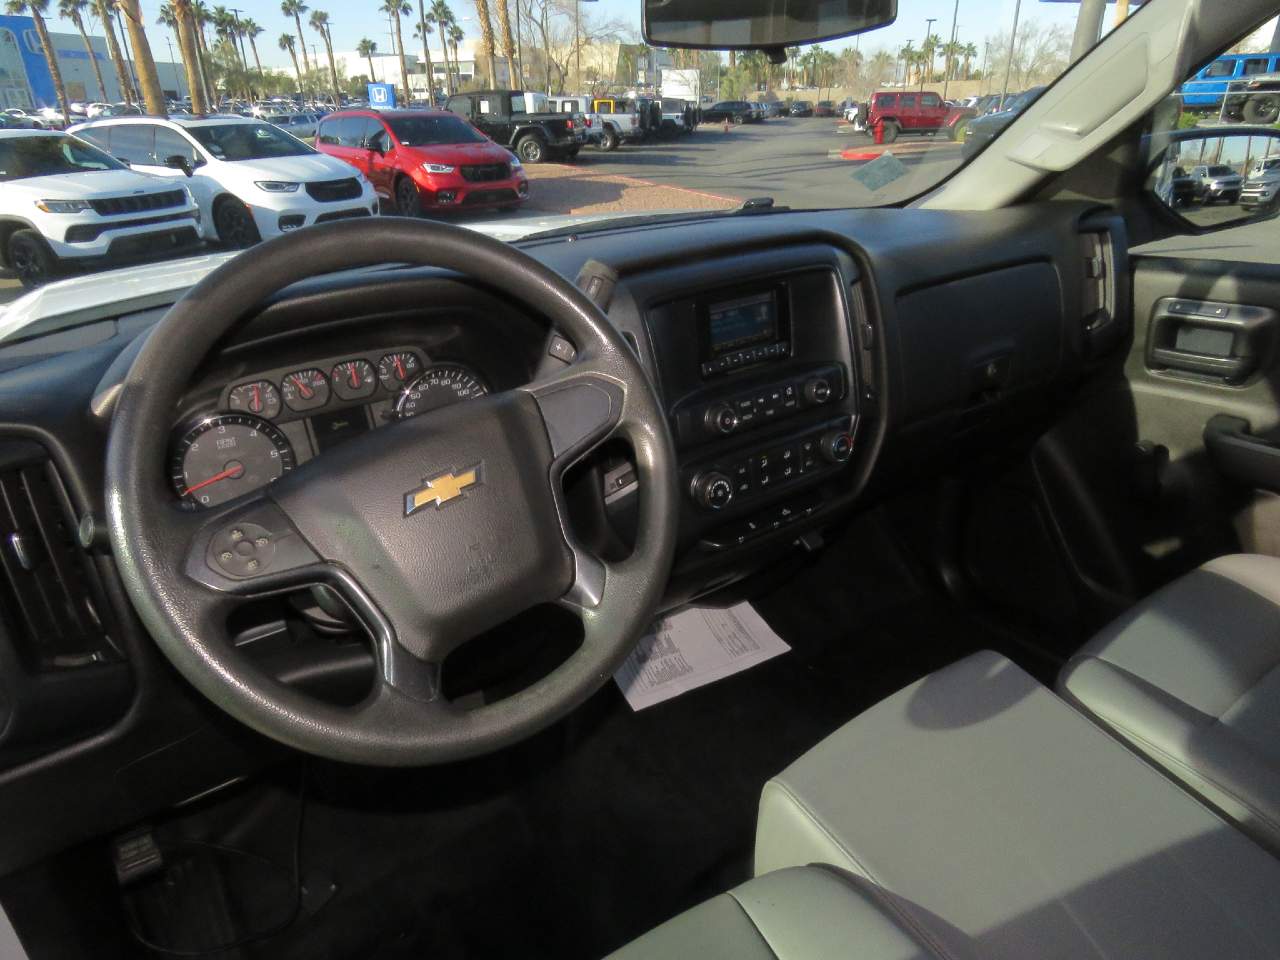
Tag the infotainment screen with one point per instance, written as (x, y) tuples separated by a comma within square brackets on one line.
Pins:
[(733, 324)]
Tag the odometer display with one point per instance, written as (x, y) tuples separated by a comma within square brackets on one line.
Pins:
[(227, 455), (439, 386)]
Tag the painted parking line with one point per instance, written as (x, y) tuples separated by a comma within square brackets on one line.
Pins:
[(871, 152)]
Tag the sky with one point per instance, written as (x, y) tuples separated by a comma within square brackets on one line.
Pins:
[(355, 19)]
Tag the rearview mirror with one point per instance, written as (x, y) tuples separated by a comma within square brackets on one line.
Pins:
[(760, 24), (1217, 176)]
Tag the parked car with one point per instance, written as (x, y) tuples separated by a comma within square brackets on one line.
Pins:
[(425, 160), (301, 125), (21, 120), (620, 121), (1255, 100), (580, 110), (824, 108), (677, 117), (66, 202), (1261, 190), (501, 116), (731, 111), (800, 108), (892, 113), (1204, 91), (251, 179), (1215, 182), (978, 132)]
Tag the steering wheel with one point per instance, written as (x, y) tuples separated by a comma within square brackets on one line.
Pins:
[(432, 529)]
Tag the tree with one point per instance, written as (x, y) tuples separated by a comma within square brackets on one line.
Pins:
[(422, 31), (395, 9), (456, 36), (486, 39), (850, 66), (143, 62), (367, 48), (907, 56), (929, 52), (123, 80), (187, 28), (970, 53), (443, 17), (202, 18), (251, 31), (36, 10), (295, 9), (319, 21), (287, 42), (73, 10), (508, 44)]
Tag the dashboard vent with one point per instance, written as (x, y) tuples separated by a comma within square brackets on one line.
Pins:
[(51, 596), (1099, 265)]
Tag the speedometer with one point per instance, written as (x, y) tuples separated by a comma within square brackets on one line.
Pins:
[(440, 385), (223, 456)]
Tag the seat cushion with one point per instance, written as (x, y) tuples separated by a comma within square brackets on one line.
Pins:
[(804, 913), (1190, 678), (1010, 826)]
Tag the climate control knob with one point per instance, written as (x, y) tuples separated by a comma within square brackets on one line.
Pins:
[(817, 391), (836, 446), (721, 419), (712, 491)]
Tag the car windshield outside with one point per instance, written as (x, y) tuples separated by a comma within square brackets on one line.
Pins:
[(247, 141), (763, 130), (45, 156), (431, 131), (1220, 171)]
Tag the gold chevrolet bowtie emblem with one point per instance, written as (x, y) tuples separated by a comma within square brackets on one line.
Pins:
[(441, 489)]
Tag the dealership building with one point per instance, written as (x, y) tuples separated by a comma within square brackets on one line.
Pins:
[(25, 80)]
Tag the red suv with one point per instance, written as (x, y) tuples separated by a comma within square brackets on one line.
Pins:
[(425, 159), (890, 113)]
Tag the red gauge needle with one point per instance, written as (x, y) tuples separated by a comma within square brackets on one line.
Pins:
[(399, 368), (307, 392), (232, 471), (353, 378), (257, 398)]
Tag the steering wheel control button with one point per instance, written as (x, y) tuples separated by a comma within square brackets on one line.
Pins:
[(712, 491), (243, 550)]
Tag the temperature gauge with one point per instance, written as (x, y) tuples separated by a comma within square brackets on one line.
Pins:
[(305, 390), (397, 369), (261, 398), (353, 379)]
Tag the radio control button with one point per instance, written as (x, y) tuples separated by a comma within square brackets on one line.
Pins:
[(836, 446), (721, 419), (817, 391), (712, 491)]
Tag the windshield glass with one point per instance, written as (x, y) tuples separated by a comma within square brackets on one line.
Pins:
[(22, 157), (247, 141), (429, 131)]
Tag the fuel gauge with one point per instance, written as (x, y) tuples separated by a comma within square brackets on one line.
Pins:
[(353, 379), (260, 398)]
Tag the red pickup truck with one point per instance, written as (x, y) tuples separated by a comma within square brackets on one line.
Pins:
[(890, 113)]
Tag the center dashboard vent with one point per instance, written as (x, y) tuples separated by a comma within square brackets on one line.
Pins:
[(51, 597)]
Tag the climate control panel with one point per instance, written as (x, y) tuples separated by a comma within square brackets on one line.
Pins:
[(744, 410)]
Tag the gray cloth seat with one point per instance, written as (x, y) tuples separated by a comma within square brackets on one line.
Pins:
[(1002, 823), (1190, 678), (794, 914)]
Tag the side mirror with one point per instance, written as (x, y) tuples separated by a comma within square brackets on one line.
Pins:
[(179, 162), (1215, 177), (125, 162)]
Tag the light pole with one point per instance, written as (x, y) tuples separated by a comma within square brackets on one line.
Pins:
[(946, 76), (177, 74), (928, 31), (1008, 67), (519, 50)]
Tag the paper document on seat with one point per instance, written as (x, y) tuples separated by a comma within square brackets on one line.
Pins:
[(695, 647)]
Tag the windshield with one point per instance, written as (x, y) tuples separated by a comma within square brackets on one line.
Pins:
[(23, 157), (430, 131), (247, 141)]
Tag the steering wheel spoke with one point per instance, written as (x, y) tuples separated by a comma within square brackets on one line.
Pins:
[(250, 548)]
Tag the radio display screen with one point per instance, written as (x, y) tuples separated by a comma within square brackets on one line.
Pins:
[(732, 324)]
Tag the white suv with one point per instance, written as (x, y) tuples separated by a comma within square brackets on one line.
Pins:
[(251, 179), (65, 201)]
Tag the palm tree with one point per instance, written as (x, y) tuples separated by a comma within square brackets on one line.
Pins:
[(907, 55), (395, 9), (295, 9), (36, 10), (287, 42), (422, 31), (250, 30), (73, 10), (319, 21), (367, 48), (456, 36), (201, 19), (951, 51), (143, 63), (970, 53), (443, 17), (508, 44), (103, 9), (185, 21), (486, 39), (928, 51)]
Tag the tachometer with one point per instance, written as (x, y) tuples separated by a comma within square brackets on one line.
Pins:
[(440, 385), (226, 455)]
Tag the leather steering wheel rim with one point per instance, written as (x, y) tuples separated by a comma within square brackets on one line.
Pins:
[(505, 560)]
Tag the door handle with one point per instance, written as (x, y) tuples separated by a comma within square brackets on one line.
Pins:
[(1228, 342), (1240, 455)]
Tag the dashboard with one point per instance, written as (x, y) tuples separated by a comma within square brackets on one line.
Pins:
[(809, 364)]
